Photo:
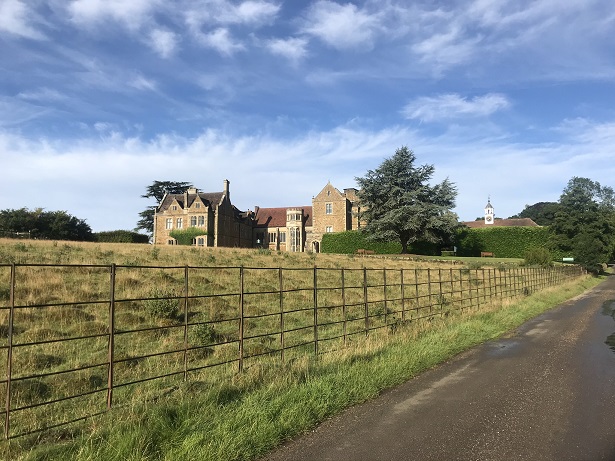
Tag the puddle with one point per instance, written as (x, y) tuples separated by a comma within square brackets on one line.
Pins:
[(608, 308)]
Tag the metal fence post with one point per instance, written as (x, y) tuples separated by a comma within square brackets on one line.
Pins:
[(315, 312), (386, 308), (111, 351), (403, 296), (241, 317), (185, 322), (281, 287), (9, 354), (344, 314), (365, 301)]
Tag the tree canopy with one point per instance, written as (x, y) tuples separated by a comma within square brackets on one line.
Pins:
[(542, 213), (38, 223), (156, 190), (584, 225), (398, 203)]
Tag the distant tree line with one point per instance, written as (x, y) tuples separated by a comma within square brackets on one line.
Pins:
[(58, 225), (41, 224)]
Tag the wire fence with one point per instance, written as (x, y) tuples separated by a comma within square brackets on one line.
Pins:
[(81, 339)]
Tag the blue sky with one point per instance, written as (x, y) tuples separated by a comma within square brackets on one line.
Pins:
[(99, 98)]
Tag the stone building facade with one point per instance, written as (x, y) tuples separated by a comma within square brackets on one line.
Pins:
[(294, 229), (222, 224)]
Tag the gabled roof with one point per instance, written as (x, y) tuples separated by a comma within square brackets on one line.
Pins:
[(208, 198), (276, 217), (520, 222)]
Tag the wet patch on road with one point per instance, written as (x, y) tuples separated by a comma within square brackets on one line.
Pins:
[(608, 308)]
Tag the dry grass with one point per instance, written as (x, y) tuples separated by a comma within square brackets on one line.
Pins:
[(181, 316)]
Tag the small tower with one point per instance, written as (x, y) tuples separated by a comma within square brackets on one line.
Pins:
[(489, 216)]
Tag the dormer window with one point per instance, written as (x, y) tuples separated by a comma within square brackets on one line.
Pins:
[(174, 207), (197, 205)]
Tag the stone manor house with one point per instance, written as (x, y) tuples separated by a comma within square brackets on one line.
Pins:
[(285, 229)]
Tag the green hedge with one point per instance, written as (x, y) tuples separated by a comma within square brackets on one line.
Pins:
[(186, 236), (120, 236), (504, 242), (350, 241)]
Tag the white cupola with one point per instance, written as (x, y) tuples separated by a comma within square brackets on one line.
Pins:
[(489, 216)]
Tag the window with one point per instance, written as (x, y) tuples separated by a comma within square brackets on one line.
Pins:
[(192, 221), (180, 223), (272, 237), (200, 241), (169, 223), (174, 208), (282, 237), (197, 205), (171, 242), (201, 221), (329, 229), (328, 208)]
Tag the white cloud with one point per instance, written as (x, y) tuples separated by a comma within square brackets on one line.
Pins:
[(450, 106), (142, 83), (163, 41), (292, 48), (118, 168), (42, 94), (224, 12), (16, 18), (341, 26), (222, 41), (131, 13)]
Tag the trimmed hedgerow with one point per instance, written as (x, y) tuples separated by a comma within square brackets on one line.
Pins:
[(504, 242), (120, 236), (350, 241)]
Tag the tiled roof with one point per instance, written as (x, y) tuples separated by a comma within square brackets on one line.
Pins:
[(276, 217), (520, 222)]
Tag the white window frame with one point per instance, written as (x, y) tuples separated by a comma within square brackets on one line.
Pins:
[(328, 208), (180, 223), (169, 224)]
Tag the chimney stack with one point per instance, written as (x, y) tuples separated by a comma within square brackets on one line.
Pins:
[(226, 189)]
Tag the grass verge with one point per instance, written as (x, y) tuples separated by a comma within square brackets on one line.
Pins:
[(272, 402)]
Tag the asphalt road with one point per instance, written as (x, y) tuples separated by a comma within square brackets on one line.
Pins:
[(546, 392)]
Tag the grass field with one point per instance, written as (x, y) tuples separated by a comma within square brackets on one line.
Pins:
[(154, 430)]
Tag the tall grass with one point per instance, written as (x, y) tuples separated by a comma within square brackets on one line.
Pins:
[(271, 402), (82, 294)]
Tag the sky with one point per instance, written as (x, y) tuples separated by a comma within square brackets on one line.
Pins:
[(99, 98)]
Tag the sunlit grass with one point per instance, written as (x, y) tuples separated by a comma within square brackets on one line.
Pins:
[(189, 342)]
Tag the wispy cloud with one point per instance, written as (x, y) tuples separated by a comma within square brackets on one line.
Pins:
[(294, 48), (131, 13), (163, 41), (17, 18), (341, 26), (451, 106)]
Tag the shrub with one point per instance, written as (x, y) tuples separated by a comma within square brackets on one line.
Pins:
[(538, 256), (203, 334), (162, 305), (120, 236)]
